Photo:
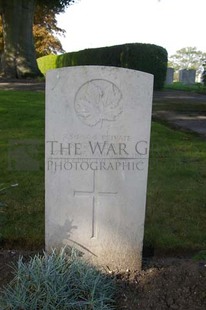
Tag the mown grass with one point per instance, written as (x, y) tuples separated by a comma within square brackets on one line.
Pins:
[(182, 104), (179, 106), (176, 202), (197, 87), (22, 163)]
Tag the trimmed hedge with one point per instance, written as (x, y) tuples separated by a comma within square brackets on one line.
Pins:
[(149, 58)]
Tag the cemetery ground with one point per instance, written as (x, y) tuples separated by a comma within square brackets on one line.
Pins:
[(174, 264)]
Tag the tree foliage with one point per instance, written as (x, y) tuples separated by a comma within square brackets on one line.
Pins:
[(18, 59), (58, 6), (188, 58), (45, 42), (44, 32)]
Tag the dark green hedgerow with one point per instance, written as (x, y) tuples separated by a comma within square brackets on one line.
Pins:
[(148, 58)]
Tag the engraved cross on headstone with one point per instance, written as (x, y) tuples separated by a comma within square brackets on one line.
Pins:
[(94, 193)]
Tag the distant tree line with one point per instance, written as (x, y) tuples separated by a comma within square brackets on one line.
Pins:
[(188, 58)]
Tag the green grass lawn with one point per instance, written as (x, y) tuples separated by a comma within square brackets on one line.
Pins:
[(197, 87), (22, 139), (176, 202), (179, 106), (182, 104)]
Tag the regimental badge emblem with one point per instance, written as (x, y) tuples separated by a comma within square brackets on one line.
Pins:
[(98, 100)]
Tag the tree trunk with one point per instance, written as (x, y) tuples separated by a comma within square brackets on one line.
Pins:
[(19, 59)]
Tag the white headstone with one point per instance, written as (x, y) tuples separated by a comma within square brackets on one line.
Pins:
[(97, 150)]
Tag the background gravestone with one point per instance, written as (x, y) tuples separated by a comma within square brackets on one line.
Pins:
[(169, 76), (97, 149), (187, 76)]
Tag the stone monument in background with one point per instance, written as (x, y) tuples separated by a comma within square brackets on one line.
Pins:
[(187, 76), (169, 76)]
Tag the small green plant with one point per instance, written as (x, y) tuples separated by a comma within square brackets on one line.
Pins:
[(200, 255), (57, 282)]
